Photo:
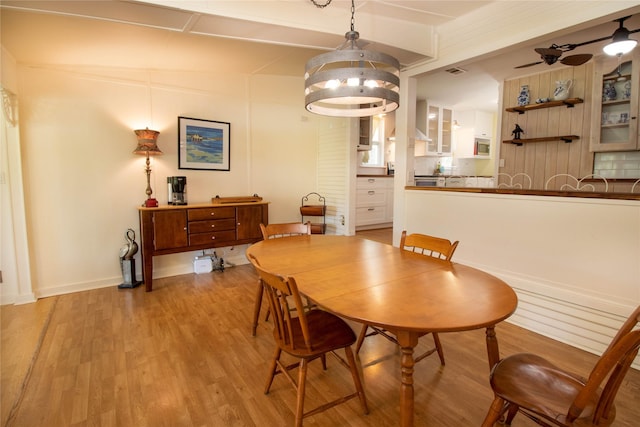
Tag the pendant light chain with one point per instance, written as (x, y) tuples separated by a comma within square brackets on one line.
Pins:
[(353, 13), (320, 5)]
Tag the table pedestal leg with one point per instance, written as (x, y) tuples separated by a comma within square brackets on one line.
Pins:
[(407, 342), (493, 352)]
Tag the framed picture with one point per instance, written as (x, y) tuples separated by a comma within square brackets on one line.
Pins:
[(203, 144)]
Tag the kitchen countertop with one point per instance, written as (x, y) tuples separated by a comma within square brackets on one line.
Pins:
[(580, 194), (373, 176)]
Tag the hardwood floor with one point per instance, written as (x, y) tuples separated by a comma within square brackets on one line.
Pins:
[(183, 355)]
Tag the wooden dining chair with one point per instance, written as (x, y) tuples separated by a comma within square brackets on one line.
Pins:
[(426, 245), (308, 335), (273, 231), (550, 396)]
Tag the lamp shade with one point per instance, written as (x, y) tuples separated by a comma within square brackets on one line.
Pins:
[(147, 142), (620, 43)]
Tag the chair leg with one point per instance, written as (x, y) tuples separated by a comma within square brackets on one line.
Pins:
[(302, 382), (273, 368), (353, 367), (496, 410), (363, 334), (256, 308), (436, 340), (511, 413)]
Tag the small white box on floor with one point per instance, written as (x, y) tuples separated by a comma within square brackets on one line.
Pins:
[(202, 264)]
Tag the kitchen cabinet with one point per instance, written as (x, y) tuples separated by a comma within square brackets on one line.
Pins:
[(173, 229), (475, 126), (439, 130), (365, 132), (615, 103), (374, 201)]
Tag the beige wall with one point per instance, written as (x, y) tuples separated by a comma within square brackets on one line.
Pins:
[(83, 184)]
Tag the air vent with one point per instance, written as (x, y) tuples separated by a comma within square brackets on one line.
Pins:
[(455, 70)]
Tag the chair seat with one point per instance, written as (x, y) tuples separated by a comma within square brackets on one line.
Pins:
[(327, 332), (525, 380)]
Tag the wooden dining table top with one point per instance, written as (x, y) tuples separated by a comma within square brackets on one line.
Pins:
[(376, 283)]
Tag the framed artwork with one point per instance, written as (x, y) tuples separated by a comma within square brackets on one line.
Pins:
[(203, 144)]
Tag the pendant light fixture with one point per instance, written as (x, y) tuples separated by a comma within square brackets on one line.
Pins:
[(620, 42), (351, 81)]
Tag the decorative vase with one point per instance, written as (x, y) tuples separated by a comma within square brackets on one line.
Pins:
[(627, 90), (562, 90), (609, 92), (523, 97)]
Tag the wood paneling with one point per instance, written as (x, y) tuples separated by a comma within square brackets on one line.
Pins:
[(541, 160)]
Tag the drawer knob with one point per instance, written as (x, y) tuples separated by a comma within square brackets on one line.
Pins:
[(213, 237), (213, 225), (371, 192), (213, 213)]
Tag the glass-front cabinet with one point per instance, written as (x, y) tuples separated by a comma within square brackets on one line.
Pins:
[(615, 106), (439, 124)]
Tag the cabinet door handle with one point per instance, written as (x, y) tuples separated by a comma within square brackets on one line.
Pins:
[(371, 209), (371, 180), (371, 192)]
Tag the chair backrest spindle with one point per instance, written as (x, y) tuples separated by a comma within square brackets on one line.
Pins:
[(436, 247)]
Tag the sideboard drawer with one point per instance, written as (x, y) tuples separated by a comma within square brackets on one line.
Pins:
[(217, 236), (204, 214), (210, 226)]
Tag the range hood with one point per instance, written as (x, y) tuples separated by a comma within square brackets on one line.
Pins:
[(420, 136)]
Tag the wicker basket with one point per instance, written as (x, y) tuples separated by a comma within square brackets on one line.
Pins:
[(312, 210)]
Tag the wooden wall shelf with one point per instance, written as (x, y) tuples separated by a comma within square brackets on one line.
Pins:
[(519, 142), (569, 103)]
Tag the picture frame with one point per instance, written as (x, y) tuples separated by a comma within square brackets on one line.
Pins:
[(203, 144)]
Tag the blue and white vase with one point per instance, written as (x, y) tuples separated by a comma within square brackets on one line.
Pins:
[(609, 92), (523, 97)]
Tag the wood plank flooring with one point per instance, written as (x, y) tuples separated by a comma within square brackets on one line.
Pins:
[(183, 355)]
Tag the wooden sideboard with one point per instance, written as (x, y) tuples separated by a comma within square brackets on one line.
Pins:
[(172, 229)]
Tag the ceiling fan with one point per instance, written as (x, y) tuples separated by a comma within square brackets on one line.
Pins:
[(554, 52)]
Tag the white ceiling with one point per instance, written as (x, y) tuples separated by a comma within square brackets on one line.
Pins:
[(278, 37)]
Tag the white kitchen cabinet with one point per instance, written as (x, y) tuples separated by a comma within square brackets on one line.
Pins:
[(439, 130), (483, 124), (476, 126), (365, 132), (374, 201), (614, 124)]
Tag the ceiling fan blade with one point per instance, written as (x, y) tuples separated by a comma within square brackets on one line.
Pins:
[(576, 60), (529, 65)]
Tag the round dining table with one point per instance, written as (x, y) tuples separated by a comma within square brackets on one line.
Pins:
[(406, 293)]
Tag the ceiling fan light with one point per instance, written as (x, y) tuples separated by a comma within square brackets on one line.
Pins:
[(620, 43), (620, 48)]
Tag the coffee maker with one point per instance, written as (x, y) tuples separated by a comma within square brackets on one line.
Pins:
[(177, 186)]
